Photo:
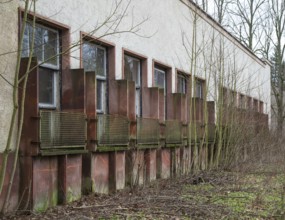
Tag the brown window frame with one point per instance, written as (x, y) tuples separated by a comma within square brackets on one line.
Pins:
[(168, 80), (110, 63), (63, 65), (203, 89)]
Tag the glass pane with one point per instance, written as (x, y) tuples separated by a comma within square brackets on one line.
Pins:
[(132, 69), (88, 55), (25, 46), (138, 98), (101, 95), (50, 46), (38, 48), (27, 42), (199, 93), (127, 68), (181, 85), (100, 69), (159, 78), (94, 59), (46, 87), (136, 72)]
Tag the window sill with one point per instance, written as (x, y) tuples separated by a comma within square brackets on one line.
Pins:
[(50, 107)]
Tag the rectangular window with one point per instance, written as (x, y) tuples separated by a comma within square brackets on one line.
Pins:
[(261, 107), (160, 79), (47, 88), (95, 59), (241, 101), (132, 71), (181, 84), (255, 105), (233, 99), (46, 49), (160, 82), (225, 96), (199, 88), (249, 103)]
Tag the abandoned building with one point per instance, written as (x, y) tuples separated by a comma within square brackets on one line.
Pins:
[(114, 91)]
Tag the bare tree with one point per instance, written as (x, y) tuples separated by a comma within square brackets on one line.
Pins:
[(246, 21), (112, 26), (277, 16), (203, 4), (221, 10)]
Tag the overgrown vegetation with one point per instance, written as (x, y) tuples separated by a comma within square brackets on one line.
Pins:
[(253, 189), (207, 195)]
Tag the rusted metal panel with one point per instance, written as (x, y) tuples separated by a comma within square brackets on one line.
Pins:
[(197, 110), (147, 131), (29, 143), (150, 103), (113, 130), (173, 132), (162, 105), (150, 161), (73, 90), (62, 130), (211, 112), (91, 97)]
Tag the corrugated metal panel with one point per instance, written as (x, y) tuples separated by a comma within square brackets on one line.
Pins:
[(173, 131), (62, 129), (113, 130), (147, 131)]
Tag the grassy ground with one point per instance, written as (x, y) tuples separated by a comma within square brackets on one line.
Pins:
[(243, 196), (207, 195)]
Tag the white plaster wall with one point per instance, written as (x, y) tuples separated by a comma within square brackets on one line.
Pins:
[(8, 56), (168, 24), (161, 37)]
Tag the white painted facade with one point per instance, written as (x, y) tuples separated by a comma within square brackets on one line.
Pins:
[(166, 35)]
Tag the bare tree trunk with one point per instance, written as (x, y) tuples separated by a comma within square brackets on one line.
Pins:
[(15, 104)]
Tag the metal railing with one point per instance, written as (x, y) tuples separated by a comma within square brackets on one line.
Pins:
[(62, 130), (112, 130), (173, 132), (147, 131)]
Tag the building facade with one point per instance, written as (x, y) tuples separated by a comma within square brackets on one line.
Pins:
[(113, 89)]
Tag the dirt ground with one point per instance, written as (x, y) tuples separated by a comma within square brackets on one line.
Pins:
[(207, 195)]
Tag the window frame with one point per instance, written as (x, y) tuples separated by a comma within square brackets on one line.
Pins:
[(255, 105), (138, 87), (139, 68), (164, 71), (201, 91), (249, 103), (184, 78), (233, 99), (103, 79), (42, 63), (242, 99), (261, 107), (161, 70), (55, 91)]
